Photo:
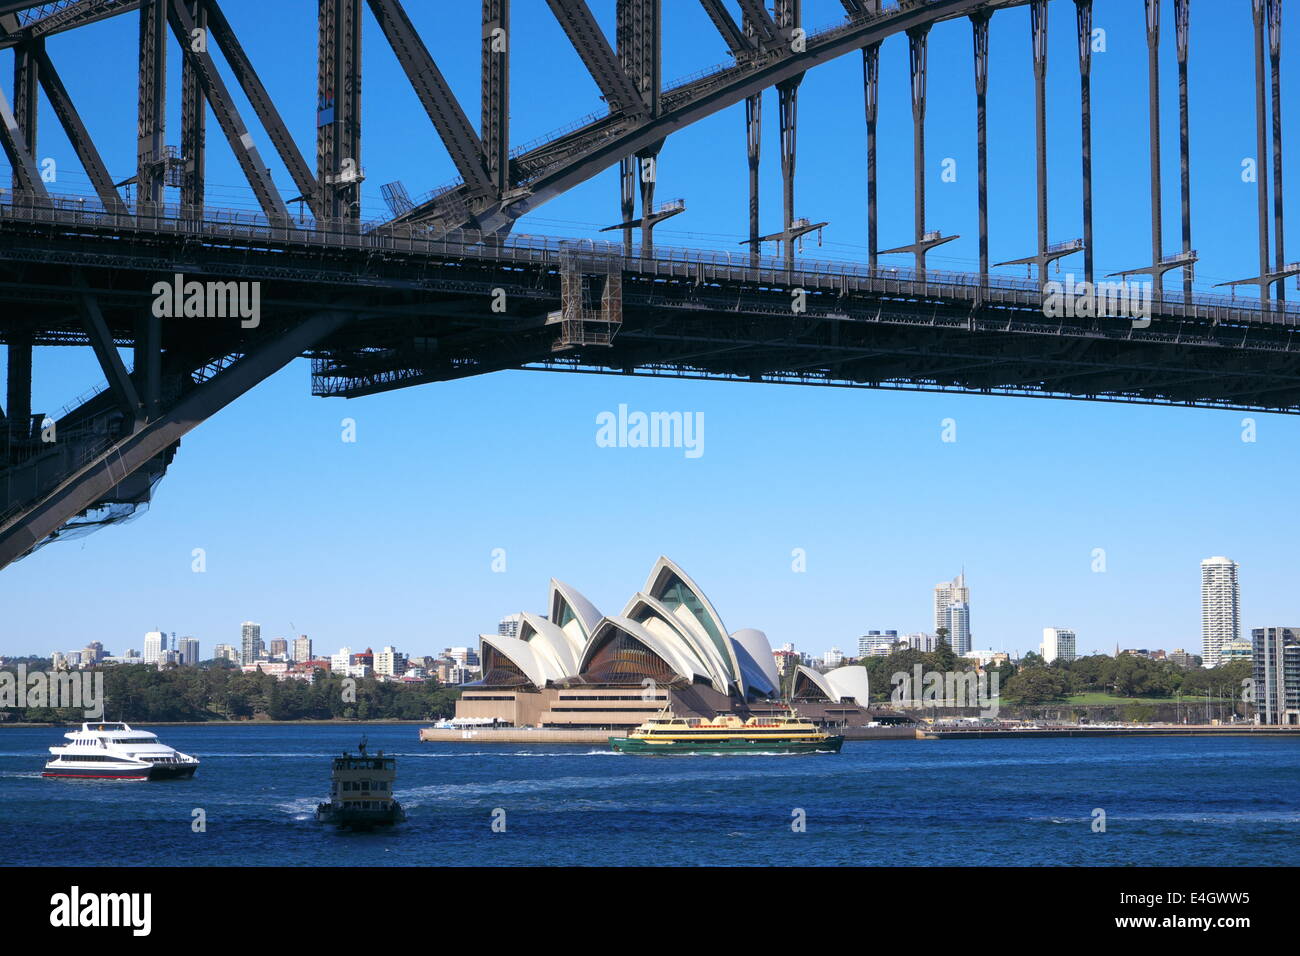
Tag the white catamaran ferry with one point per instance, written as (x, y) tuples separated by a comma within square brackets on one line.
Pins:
[(107, 751)]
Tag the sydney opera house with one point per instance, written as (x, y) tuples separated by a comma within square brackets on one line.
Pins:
[(577, 668)]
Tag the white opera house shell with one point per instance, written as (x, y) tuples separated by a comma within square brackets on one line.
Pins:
[(577, 668), (669, 633)]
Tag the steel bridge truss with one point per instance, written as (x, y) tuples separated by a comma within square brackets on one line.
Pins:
[(411, 298)]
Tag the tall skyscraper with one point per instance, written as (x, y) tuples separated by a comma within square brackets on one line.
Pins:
[(155, 642), (188, 647), (251, 646), (302, 648), (1220, 608), (952, 612), (959, 627), (509, 625), (947, 593), (1059, 643), (1277, 674), (279, 647)]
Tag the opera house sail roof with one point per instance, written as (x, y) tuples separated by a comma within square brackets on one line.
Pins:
[(668, 633)]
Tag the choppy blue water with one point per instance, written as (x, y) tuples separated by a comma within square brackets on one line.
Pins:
[(1189, 801)]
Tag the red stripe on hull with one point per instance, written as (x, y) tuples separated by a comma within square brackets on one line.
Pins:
[(99, 776)]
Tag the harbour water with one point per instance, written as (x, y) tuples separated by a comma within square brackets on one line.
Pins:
[(1187, 801)]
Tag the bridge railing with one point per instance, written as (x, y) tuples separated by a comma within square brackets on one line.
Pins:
[(255, 228)]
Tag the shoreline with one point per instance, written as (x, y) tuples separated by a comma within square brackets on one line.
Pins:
[(219, 723)]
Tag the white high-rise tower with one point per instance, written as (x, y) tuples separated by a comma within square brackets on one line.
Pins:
[(1059, 643), (1220, 608), (155, 642), (952, 611)]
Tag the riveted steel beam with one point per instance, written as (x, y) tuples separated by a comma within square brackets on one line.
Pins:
[(223, 107), (494, 129), (338, 107), (617, 88), (263, 105), (737, 42), (435, 94), (1083, 20), (151, 123), (76, 132)]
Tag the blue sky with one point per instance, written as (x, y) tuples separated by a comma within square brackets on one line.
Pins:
[(390, 539)]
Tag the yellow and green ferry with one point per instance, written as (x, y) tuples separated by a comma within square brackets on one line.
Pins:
[(727, 734)]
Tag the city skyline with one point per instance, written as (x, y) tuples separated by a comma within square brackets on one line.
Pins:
[(1220, 602)]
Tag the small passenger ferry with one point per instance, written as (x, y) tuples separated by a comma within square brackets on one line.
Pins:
[(670, 734), (361, 792), (113, 751)]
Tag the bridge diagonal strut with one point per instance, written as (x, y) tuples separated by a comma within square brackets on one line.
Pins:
[(618, 89), (237, 135), (435, 95), (77, 134), (25, 527), (267, 114)]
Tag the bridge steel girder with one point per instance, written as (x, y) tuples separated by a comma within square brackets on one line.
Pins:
[(18, 390), (618, 89), (78, 14), (101, 340), (151, 122), (80, 491), (435, 95), (980, 39), (871, 109), (494, 128), (1182, 24), (338, 93), (788, 16), (639, 42), (1083, 20), (232, 124), (1258, 14), (194, 123), (737, 42), (1153, 114), (754, 147), (1038, 31), (16, 146), (77, 134), (764, 27), (744, 82), (263, 105), (1275, 61), (26, 98), (917, 55)]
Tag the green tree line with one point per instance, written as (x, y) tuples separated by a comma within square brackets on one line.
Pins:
[(217, 690)]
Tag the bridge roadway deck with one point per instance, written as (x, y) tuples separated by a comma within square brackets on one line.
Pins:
[(425, 302)]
